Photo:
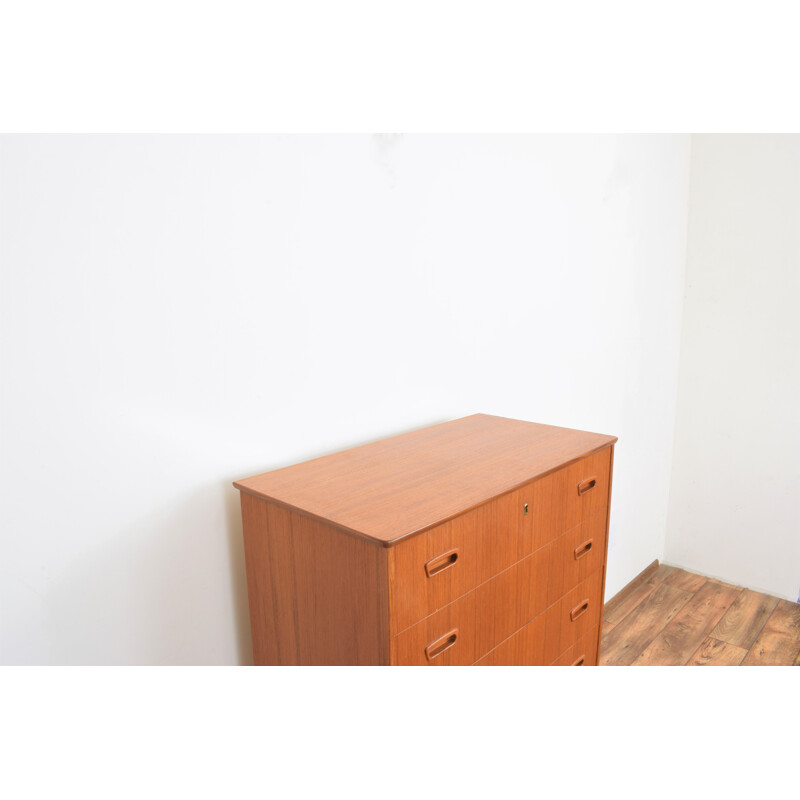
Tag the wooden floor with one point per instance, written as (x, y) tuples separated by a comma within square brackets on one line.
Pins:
[(668, 616)]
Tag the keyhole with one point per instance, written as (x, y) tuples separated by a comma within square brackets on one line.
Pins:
[(526, 508)]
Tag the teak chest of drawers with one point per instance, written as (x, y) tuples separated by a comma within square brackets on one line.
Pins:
[(477, 541)]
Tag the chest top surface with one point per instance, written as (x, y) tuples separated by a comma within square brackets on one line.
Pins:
[(389, 490)]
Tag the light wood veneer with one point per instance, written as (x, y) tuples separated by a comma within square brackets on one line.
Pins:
[(481, 540)]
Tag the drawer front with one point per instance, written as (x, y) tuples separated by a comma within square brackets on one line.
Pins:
[(574, 556), (438, 566), (460, 555), (471, 626), (564, 499), (552, 633), (443, 564), (583, 653), (480, 619)]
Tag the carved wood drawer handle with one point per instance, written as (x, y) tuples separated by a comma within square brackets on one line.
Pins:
[(579, 610), (587, 484), (582, 549), (440, 563), (579, 662), (440, 645)]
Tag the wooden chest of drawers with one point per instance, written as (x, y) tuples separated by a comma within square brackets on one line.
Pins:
[(477, 541)]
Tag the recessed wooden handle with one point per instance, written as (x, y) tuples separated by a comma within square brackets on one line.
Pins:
[(579, 662), (440, 563), (587, 484), (582, 549), (579, 610), (440, 645)]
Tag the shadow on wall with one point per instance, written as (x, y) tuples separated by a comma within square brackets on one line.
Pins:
[(233, 512), (165, 587), (168, 587)]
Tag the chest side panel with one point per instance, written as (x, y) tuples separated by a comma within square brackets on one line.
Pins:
[(316, 595)]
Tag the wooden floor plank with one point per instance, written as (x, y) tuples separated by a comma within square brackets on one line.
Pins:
[(663, 572), (621, 609), (682, 636), (626, 640), (785, 619), (743, 621), (663, 617), (636, 591), (772, 649), (716, 653), (622, 598), (727, 585), (688, 581), (779, 641)]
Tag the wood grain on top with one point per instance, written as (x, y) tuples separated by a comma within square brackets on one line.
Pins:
[(392, 489)]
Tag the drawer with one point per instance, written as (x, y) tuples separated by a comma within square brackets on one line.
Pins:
[(436, 567), (564, 499), (552, 633), (574, 556), (583, 653), (463, 631), (480, 619), (433, 569)]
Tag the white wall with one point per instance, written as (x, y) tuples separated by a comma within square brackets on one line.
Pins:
[(178, 312), (736, 467)]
